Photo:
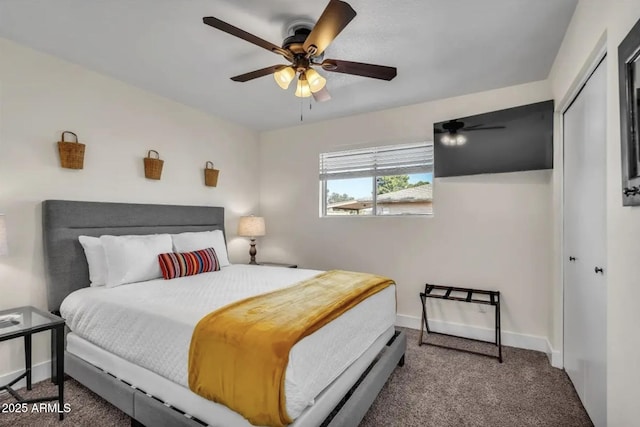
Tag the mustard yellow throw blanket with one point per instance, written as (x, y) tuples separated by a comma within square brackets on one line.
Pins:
[(239, 353)]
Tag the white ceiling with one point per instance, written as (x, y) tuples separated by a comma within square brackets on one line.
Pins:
[(442, 48)]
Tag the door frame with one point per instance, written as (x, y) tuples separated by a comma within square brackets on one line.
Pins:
[(598, 53)]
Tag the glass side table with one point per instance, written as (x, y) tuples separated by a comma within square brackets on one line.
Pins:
[(24, 322)]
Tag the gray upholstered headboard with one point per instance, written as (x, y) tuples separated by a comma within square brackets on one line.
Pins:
[(63, 221)]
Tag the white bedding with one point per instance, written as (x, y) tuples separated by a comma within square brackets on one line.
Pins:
[(150, 324)]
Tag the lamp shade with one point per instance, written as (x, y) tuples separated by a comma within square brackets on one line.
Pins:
[(4, 249), (284, 76), (316, 81), (303, 90), (251, 226)]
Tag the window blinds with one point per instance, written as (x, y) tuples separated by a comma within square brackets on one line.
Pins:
[(389, 160)]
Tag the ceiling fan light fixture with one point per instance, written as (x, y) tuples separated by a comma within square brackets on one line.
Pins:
[(304, 47), (453, 139), (316, 81), (303, 90), (284, 77)]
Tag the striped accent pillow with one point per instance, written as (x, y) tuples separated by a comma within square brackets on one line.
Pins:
[(180, 264)]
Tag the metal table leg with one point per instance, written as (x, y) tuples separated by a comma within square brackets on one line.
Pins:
[(27, 359), (59, 331), (53, 356), (498, 328)]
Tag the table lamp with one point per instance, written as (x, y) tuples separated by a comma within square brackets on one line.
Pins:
[(252, 227)]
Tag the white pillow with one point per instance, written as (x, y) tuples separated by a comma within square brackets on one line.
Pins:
[(95, 259), (134, 258), (194, 241)]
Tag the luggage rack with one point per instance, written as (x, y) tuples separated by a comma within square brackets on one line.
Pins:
[(471, 297)]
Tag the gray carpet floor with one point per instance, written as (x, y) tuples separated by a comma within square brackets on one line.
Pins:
[(436, 387), (440, 388)]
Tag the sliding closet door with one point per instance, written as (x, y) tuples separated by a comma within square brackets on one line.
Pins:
[(585, 293), (575, 335)]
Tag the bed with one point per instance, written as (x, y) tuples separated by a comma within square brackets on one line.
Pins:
[(156, 395)]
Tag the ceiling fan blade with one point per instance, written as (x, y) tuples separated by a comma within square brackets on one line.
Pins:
[(360, 69), (334, 19), (235, 31), (439, 131), (470, 129), (257, 73), (322, 95)]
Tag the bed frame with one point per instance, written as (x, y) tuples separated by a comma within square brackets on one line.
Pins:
[(66, 271)]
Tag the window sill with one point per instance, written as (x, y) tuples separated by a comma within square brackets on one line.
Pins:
[(377, 216)]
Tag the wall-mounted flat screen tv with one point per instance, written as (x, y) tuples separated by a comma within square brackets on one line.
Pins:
[(511, 140)]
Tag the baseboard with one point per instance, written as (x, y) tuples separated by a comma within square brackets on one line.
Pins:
[(511, 339), (39, 372), (555, 356)]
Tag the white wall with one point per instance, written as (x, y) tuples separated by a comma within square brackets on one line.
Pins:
[(40, 96), (488, 231), (592, 19)]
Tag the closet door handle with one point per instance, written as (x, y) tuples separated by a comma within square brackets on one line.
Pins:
[(599, 270), (572, 258)]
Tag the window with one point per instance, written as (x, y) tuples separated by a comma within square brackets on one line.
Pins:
[(389, 180)]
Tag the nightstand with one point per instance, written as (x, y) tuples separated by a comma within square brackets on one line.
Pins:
[(278, 264), (24, 322)]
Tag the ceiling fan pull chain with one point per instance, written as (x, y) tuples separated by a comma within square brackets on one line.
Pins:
[(301, 118)]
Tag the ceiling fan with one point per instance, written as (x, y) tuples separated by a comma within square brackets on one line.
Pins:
[(305, 50), (451, 128)]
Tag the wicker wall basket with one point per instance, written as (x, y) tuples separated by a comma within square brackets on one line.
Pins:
[(153, 165), (210, 175), (71, 152)]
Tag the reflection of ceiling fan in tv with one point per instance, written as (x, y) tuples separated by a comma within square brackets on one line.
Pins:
[(451, 129), (305, 50)]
